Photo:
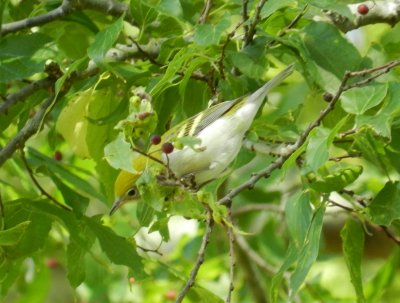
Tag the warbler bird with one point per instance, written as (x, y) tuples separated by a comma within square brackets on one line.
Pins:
[(220, 130)]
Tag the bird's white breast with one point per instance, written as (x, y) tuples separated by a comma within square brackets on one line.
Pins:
[(220, 144)]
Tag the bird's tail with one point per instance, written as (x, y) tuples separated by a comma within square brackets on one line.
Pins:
[(260, 94)]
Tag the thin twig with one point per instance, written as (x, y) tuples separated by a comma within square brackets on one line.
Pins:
[(390, 235), (60, 12), (340, 158), (232, 258), (221, 59), (205, 11), (253, 279), (284, 31), (363, 202), (146, 54), (149, 250), (25, 92), (347, 133), (383, 70), (253, 255), (166, 165), (256, 19), (37, 184), (29, 129), (291, 149), (200, 257), (278, 163), (194, 75), (67, 7), (349, 209), (245, 16), (257, 207), (33, 125)]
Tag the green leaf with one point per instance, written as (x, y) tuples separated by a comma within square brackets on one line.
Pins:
[(305, 231), (10, 47), (352, 235), (336, 6), (298, 214), (35, 233), (383, 279), (145, 214), (192, 66), (103, 102), (104, 40), (64, 172), (317, 148), (78, 202), (273, 6), (118, 249), (326, 55), (247, 64), (37, 291), (359, 99), (10, 270), (336, 180), (382, 121), (142, 12), (174, 65), (13, 235), (119, 154), (373, 149), (72, 123), (385, 207), (19, 68), (210, 34), (203, 295), (170, 7), (309, 253), (75, 263)]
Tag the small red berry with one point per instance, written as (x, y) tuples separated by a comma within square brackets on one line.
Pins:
[(52, 263), (155, 139), (132, 280), (167, 148), (170, 295), (58, 156), (362, 9)]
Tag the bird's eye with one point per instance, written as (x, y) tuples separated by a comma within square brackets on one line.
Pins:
[(132, 192)]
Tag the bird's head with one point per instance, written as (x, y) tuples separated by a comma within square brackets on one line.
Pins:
[(125, 189)]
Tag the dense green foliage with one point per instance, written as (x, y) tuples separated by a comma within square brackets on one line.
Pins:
[(73, 89)]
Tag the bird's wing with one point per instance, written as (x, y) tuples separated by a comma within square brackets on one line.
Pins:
[(194, 125)]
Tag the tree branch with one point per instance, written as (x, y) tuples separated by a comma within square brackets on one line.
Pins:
[(36, 182), (252, 277), (200, 257), (24, 93), (29, 129), (256, 19), (67, 7), (60, 12), (375, 12), (253, 255), (205, 11), (277, 164)]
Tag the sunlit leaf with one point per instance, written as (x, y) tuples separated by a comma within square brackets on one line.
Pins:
[(358, 100), (352, 235), (385, 207)]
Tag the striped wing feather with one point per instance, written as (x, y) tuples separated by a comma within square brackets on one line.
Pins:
[(194, 125)]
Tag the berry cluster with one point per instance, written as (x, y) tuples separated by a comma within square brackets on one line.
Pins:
[(166, 148)]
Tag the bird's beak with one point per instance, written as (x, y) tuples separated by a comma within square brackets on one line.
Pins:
[(115, 206)]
